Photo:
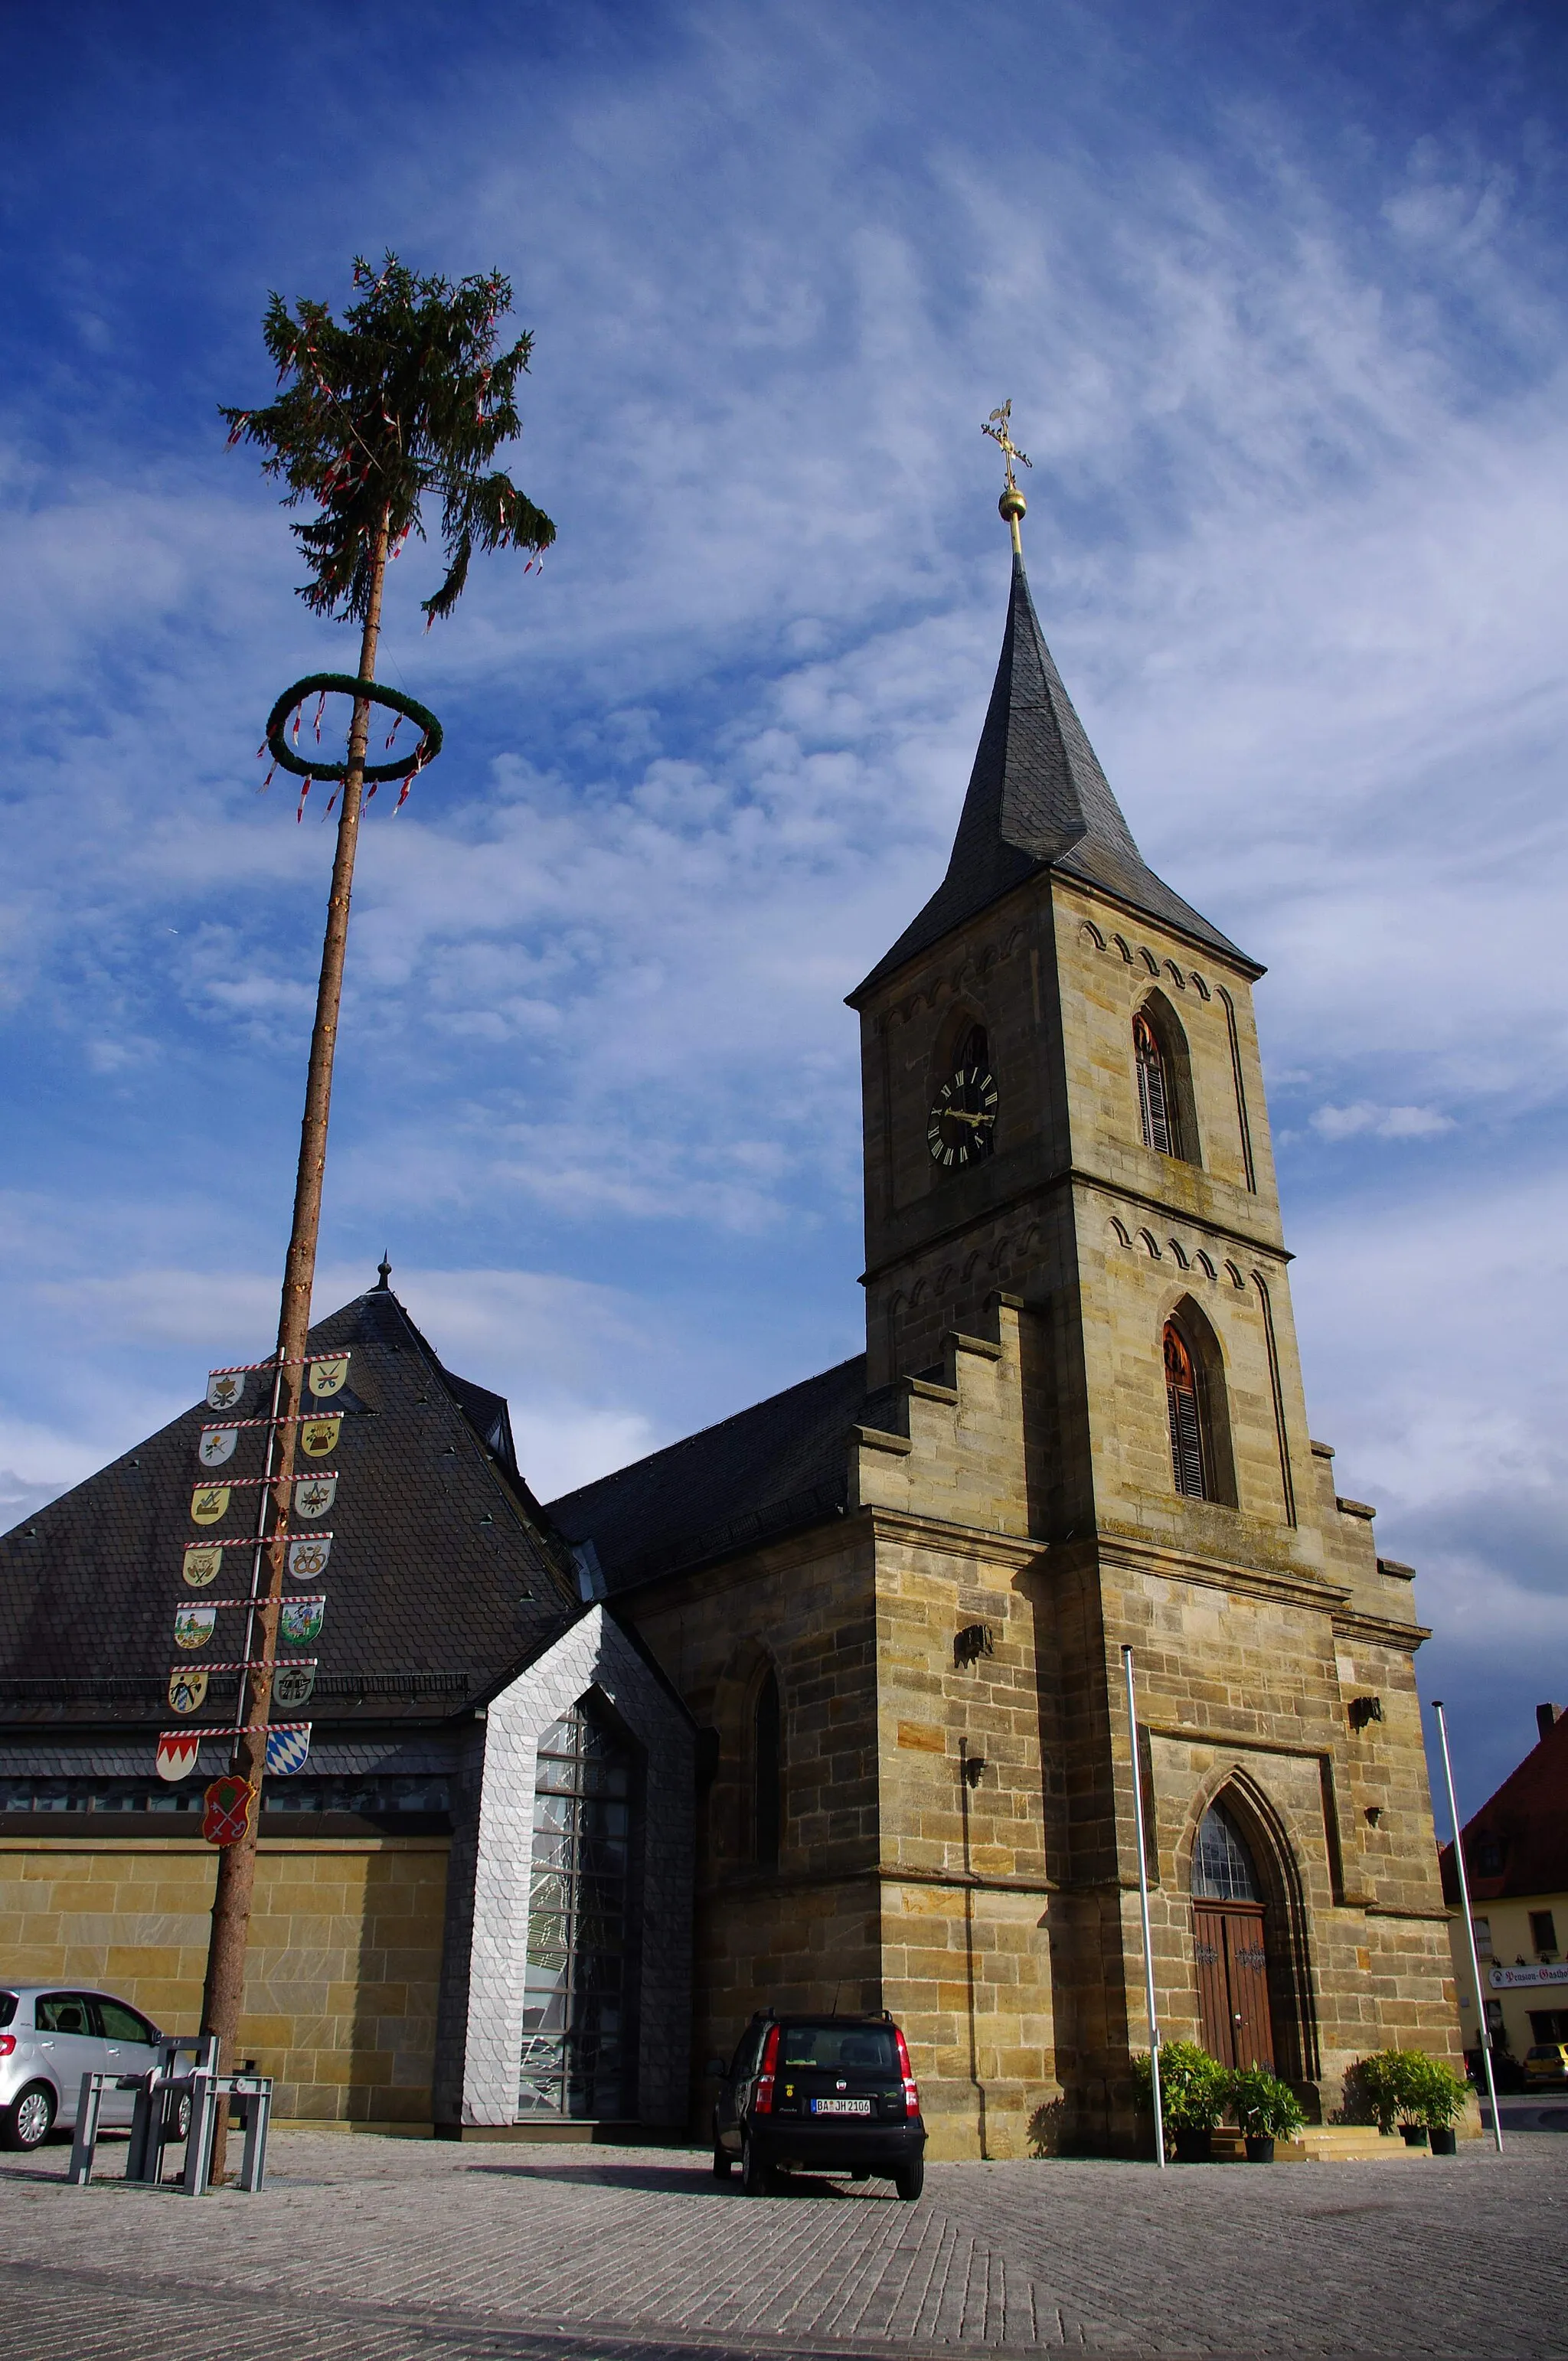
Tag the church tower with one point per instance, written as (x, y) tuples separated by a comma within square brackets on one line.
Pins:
[(1063, 1100), (1067, 1146)]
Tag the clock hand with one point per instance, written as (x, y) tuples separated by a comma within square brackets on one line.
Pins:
[(960, 1115)]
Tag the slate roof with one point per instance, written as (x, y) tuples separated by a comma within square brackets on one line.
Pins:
[(1037, 800), (781, 1464), (443, 1576), (1516, 1844)]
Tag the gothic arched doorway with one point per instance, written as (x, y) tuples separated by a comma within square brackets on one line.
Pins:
[(1230, 1945)]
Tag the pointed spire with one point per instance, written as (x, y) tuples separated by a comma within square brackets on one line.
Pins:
[(383, 1273), (1038, 797)]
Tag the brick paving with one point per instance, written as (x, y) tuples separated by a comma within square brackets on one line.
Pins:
[(374, 2249)]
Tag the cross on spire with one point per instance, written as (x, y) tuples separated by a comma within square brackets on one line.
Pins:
[(999, 426)]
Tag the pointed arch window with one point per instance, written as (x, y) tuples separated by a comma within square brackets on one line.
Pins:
[(1190, 1460), (1222, 1868), (767, 1782), (1157, 1112)]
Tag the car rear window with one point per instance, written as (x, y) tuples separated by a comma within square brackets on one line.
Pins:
[(63, 2012), (7, 2007), (866, 2049)]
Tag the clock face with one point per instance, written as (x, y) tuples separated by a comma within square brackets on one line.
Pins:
[(962, 1128)]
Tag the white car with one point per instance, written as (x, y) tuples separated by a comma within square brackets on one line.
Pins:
[(50, 2036)]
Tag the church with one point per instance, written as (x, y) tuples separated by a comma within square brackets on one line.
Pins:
[(824, 1706)]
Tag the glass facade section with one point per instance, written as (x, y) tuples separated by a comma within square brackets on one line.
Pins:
[(576, 2056)]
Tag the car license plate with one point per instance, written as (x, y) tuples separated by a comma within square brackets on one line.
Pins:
[(841, 2106)]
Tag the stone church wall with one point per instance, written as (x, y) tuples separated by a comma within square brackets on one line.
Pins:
[(804, 1931)]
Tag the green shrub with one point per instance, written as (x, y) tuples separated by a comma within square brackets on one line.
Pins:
[(1435, 2095), (1193, 2087), (1264, 2107), (1375, 2086), (1406, 2086)]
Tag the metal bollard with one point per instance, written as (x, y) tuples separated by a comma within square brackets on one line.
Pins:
[(257, 2093), (87, 2137)]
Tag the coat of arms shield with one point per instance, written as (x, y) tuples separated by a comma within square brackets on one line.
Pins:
[(176, 1751), (292, 1684), (327, 1375), (225, 1389), (193, 1626), (300, 1620), (209, 1503), (187, 1690), (217, 1444), (318, 1436), (225, 1809), (313, 1496), (203, 1564), (286, 1747), (308, 1558)]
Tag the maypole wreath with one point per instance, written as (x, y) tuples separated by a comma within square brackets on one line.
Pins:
[(324, 684)]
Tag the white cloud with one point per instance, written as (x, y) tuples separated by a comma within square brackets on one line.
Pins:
[(1382, 1123)]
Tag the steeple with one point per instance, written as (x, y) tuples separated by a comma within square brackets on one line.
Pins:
[(1038, 797)]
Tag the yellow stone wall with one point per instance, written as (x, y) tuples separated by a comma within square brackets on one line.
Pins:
[(344, 1964)]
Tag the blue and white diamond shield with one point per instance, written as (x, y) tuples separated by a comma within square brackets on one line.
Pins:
[(287, 1748)]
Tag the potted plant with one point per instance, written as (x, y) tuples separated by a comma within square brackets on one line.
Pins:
[(1377, 2084), (1433, 2100), (1193, 2088), (1265, 2110)]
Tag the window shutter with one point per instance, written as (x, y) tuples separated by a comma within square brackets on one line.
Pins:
[(1154, 1098), (1185, 1420)]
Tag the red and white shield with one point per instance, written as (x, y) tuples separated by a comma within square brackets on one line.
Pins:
[(177, 1751)]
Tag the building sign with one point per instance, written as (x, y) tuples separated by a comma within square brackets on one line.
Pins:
[(1512, 1979)]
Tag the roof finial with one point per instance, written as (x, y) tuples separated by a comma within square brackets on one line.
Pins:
[(383, 1271), (1011, 505)]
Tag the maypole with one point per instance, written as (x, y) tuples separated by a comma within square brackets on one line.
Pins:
[(407, 398)]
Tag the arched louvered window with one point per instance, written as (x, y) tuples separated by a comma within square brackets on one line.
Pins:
[(767, 1736), (1184, 1405), (1156, 1110), (974, 1051)]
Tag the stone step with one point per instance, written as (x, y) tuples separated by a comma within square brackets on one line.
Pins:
[(1324, 2144)]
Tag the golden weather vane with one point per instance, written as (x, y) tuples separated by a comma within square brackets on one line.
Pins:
[(1011, 506), (999, 426)]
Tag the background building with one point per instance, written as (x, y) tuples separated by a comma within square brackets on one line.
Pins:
[(825, 1704), (1515, 1852)]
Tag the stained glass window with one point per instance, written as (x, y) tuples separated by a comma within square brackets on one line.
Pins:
[(768, 1737), (576, 2053), (1221, 1866)]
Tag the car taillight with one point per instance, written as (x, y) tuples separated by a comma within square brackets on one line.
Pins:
[(911, 2087), (7, 2043), (762, 2097)]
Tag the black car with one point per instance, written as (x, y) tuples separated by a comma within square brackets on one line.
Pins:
[(819, 2094)]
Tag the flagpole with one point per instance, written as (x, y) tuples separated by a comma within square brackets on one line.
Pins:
[(1469, 1925), (1144, 1909)]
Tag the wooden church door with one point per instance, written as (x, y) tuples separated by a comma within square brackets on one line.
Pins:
[(1229, 1947)]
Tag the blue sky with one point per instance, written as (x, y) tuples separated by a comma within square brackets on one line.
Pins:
[(1278, 295)]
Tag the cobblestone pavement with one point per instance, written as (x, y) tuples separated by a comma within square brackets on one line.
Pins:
[(374, 2249)]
